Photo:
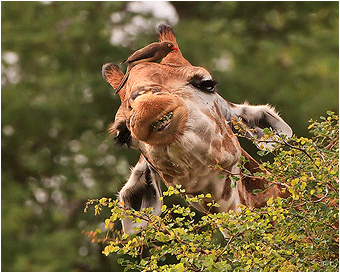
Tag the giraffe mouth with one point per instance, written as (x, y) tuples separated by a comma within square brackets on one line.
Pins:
[(158, 119), (162, 123)]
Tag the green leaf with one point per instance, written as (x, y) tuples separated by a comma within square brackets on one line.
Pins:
[(266, 131), (270, 201)]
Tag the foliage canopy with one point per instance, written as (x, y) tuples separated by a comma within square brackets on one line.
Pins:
[(295, 234)]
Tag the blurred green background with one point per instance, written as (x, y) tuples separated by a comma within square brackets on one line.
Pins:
[(56, 108)]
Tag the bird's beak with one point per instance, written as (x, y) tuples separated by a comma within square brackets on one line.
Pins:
[(175, 48)]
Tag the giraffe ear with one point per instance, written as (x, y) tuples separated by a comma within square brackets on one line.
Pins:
[(254, 119), (113, 75), (258, 117), (166, 33)]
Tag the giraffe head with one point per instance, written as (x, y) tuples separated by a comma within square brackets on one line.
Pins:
[(161, 102), (172, 113)]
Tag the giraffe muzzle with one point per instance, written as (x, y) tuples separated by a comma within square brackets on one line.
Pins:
[(158, 119)]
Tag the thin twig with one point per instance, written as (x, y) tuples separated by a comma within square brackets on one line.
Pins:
[(226, 247), (230, 173), (314, 201), (320, 153), (279, 142), (300, 149), (280, 183), (323, 197)]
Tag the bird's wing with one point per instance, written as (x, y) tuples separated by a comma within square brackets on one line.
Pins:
[(143, 53), (141, 56)]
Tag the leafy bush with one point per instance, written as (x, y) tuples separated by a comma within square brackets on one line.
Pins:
[(295, 234)]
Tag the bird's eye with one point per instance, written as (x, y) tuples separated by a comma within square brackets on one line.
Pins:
[(205, 85), (169, 45)]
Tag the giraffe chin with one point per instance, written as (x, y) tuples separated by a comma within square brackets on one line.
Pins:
[(158, 119)]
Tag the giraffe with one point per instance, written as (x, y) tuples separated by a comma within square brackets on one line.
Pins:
[(171, 112)]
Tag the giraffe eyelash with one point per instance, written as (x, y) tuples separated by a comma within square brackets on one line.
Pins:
[(205, 85)]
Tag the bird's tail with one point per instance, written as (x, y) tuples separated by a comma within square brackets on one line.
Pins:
[(122, 82), (124, 61)]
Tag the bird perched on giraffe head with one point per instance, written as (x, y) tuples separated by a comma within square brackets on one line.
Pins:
[(150, 53)]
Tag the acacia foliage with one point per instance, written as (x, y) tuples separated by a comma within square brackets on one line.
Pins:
[(295, 234)]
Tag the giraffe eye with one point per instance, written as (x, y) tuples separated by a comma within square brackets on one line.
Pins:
[(205, 85)]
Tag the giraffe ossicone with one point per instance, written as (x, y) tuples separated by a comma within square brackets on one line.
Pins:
[(171, 112)]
